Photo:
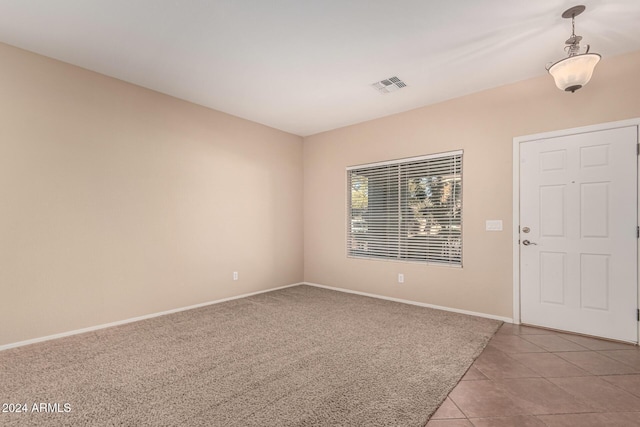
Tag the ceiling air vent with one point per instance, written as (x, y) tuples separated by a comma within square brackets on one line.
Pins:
[(389, 85)]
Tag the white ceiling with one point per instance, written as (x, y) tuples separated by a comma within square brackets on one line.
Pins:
[(305, 66)]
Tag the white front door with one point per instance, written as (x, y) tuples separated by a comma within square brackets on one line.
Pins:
[(578, 225)]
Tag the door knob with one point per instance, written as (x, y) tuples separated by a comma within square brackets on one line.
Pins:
[(527, 243)]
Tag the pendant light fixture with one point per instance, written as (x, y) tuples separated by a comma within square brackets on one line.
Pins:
[(574, 71)]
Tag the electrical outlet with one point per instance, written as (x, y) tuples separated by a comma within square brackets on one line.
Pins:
[(235, 275), (400, 278)]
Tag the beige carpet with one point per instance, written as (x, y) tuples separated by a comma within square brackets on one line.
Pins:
[(301, 356)]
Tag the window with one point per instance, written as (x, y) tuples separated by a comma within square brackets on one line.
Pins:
[(409, 209)]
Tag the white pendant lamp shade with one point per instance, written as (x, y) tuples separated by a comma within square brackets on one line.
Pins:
[(571, 73), (574, 71)]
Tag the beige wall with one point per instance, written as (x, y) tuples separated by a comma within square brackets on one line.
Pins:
[(483, 125), (117, 201)]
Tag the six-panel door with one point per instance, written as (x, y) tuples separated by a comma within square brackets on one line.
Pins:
[(578, 198)]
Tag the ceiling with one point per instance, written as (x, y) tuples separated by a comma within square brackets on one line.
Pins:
[(306, 66)]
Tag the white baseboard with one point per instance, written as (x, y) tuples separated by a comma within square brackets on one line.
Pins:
[(176, 310), (421, 304), (134, 319)]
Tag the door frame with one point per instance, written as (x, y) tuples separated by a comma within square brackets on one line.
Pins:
[(516, 198)]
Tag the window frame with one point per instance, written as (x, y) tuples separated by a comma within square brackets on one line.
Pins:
[(404, 250)]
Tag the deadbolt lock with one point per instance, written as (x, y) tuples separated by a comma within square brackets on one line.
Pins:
[(526, 229)]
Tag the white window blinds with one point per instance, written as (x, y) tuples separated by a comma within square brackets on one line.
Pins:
[(409, 209)]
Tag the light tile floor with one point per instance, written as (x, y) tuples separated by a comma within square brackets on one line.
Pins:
[(530, 377)]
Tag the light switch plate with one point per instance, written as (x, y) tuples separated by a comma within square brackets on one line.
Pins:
[(493, 225)]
